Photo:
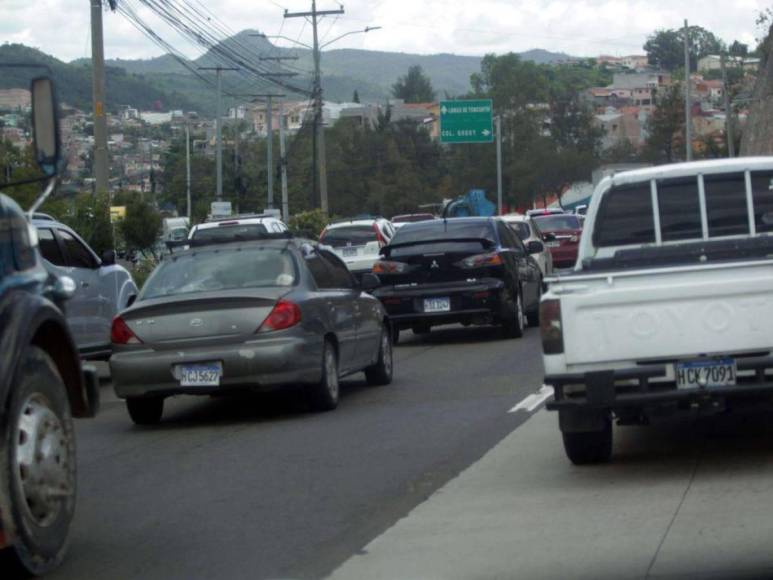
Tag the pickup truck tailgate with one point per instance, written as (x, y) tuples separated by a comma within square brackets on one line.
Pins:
[(667, 314)]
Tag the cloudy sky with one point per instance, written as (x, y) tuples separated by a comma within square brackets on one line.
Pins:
[(578, 27)]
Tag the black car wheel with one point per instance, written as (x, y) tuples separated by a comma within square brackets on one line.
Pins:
[(38, 455), (324, 394), (145, 410), (381, 372), (532, 316), (513, 323)]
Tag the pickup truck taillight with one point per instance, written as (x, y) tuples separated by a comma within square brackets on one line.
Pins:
[(550, 326)]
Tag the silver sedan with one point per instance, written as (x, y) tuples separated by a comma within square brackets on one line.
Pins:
[(254, 315)]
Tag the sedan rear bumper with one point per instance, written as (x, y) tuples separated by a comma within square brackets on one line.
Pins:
[(478, 300), (259, 364)]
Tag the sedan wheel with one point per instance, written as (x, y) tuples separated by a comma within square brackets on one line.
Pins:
[(381, 372), (533, 316), (514, 322), (324, 395)]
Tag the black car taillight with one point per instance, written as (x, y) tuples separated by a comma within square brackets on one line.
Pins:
[(550, 326)]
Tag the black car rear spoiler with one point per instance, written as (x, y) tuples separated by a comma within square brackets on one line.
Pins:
[(485, 242)]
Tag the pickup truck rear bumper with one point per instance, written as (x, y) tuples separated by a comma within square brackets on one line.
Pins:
[(616, 388)]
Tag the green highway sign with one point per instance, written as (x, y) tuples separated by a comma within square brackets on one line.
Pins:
[(468, 121)]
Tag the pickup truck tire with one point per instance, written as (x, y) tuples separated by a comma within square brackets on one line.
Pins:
[(381, 373), (513, 320), (145, 410), (38, 456), (590, 447)]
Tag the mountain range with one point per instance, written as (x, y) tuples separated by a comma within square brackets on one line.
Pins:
[(164, 82)]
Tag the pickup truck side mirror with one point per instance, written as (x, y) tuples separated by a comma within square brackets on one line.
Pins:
[(369, 282), (535, 247), (108, 257), (45, 121)]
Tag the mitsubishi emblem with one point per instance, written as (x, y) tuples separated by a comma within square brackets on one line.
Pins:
[(434, 265)]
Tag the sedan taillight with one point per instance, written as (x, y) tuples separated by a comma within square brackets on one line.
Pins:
[(480, 261), (389, 267), (285, 314), (120, 333), (550, 326)]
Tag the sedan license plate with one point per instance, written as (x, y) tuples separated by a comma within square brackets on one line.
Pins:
[(437, 304), (705, 373), (349, 252), (201, 375)]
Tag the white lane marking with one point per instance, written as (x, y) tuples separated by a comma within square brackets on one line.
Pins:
[(534, 400)]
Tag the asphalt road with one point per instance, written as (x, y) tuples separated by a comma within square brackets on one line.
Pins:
[(259, 487)]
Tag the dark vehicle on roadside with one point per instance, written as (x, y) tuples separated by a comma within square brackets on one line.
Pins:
[(42, 383), (561, 233), (248, 316), (460, 270)]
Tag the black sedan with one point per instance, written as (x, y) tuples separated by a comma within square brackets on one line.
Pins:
[(459, 270), (248, 315)]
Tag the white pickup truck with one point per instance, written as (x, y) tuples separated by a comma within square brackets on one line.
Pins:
[(670, 305)]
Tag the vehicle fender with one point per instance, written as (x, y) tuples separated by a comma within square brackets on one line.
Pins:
[(27, 319)]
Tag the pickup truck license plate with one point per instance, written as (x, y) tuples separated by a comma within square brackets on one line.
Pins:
[(349, 252), (437, 304), (705, 373), (201, 375)]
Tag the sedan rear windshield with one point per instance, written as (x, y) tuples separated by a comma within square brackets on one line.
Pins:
[(554, 223), (438, 230), (211, 270), (231, 232), (349, 235)]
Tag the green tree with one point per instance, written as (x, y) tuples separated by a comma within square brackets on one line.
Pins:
[(141, 227), (666, 127), (415, 87), (665, 48)]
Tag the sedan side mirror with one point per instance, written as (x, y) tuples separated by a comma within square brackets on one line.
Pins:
[(64, 288), (369, 282), (108, 257), (45, 121), (535, 247)]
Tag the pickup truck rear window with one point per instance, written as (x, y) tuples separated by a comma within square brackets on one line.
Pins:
[(680, 210), (625, 217), (726, 210), (762, 195)]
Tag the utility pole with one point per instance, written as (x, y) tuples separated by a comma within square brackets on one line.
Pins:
[(188, 165), (218, 127), (728, 110), (318, 119), (283, 163), (270, 143), (101, 173), (498, 120), (687, 96)]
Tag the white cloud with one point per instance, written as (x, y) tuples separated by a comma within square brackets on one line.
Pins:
[(578, 27)]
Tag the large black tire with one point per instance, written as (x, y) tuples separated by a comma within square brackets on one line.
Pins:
[(532, 317), (145, 410), (395, 334), (591, 447), (37, 451), (324, 395), (513, 318), (381, 372)]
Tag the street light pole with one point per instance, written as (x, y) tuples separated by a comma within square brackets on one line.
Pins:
[(687, 96), (283, 162), (728, 110), (498, 120), (188, 165), (219, 128)]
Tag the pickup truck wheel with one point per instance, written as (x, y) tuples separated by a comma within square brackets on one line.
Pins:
[(145, 410), (38, 460), (513, 323), (323, 395), (381, 372), (591, 447)]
